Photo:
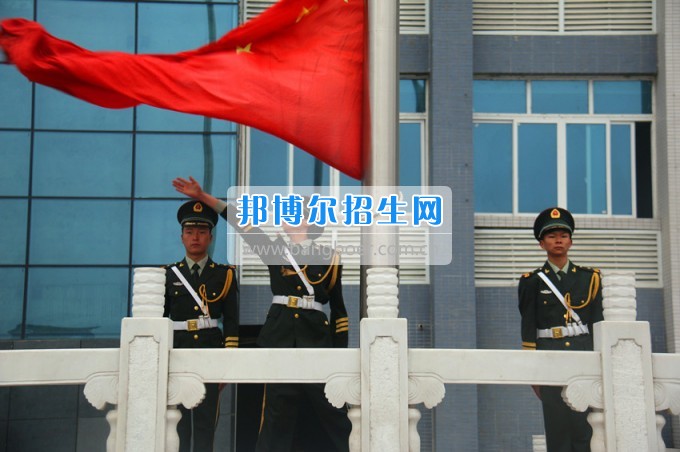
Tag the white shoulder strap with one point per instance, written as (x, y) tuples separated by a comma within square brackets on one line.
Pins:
[(300, 273), (559, 296), (190, 289)]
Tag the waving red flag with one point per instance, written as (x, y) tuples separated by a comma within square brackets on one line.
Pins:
[(295, 71)]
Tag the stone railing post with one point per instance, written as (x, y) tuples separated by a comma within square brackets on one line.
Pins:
[(627, 393), (384, 367), (145, 344)]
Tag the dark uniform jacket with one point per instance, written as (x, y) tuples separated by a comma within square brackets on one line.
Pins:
[(218, 288), (293, 327), (541, 309)]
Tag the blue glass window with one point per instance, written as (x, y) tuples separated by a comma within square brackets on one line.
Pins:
[(92, 25), (346, 181), (268, 159), (76, 302), (12, 283), (551, 96), (537, 167), (80, 232), (308, 170), (15, 98), (13, 226), (95, 26), (56, 110), (156, 227), (412, 96), (159, 120), (163, 26), (493, 167), (14, 155), (621, 97), (410, 146), (16, 9), (499, 96), (210, 159), (586, 168), (82, 164), (621, 172)]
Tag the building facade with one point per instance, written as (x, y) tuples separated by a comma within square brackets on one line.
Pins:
[(513, 107)]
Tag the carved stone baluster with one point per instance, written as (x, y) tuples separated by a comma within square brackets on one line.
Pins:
[(666, 397), (618, 296), (112, 419), (625, 347), (382, 292), (148, 292), (618, 301), (354, 415), (596, 421), (426, 389), (413, 436), (144, 359), (342, 389), (102, 390)]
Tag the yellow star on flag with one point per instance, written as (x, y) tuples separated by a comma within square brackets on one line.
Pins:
[(245, 49), (305, 12)]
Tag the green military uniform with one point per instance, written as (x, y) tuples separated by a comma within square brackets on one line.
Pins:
[(217, 289), (541, 309), (289, 325), (546, 325)]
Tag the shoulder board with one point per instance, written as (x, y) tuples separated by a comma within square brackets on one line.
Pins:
[(526, 275), (171, 265), (218, 265), (590, 269)]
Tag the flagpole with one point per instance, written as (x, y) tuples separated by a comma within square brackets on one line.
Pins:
[(383, 336), (381, 158)]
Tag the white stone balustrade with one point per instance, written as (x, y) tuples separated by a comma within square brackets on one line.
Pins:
[(622, 382)]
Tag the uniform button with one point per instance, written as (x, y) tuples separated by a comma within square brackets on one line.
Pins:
[(195, 308), (297, 316), (319, 275), (567, 344), (214, 294), (195, 337), (545, 301), (299, 287), (325, 322), (176, 292)]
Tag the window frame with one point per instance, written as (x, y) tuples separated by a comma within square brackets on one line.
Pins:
[(561, 121)]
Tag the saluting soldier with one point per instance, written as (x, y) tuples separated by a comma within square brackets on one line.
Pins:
[(301, 286), (559, 303), (198, 292)]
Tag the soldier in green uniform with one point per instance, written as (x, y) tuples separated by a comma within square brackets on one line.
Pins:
[(559, 303), (198, 292), (301, 287)]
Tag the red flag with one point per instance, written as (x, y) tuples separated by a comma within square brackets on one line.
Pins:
[(295, 71)]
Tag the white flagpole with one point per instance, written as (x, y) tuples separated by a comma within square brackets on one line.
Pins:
[(383, 336), (382, 117)]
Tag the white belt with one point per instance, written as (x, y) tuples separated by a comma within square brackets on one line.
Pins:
[(201, 323), (562, 331), (305, 302)]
